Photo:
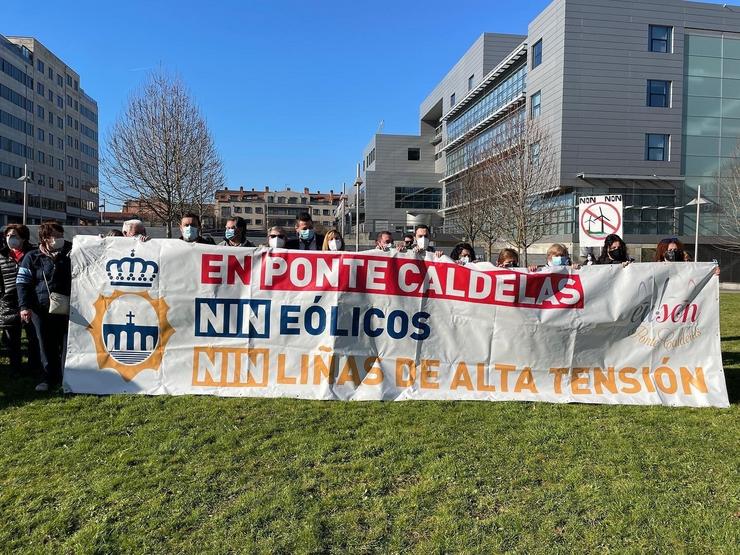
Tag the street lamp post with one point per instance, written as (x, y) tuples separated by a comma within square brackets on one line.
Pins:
[(26, 179), (698, 201), (358, 182)]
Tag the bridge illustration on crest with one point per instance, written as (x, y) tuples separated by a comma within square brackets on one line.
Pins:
[(130, 343)]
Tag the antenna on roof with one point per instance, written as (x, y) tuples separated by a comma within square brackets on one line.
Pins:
[(380, 127)]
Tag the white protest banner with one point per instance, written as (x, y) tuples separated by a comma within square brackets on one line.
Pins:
[(599, 216), (169, 317)]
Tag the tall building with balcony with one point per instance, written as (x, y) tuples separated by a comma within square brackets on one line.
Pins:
[(639, 98), (49, 128), (263, 209)]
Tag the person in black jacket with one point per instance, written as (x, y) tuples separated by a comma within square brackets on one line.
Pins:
[(614, 251), (44, 271), (308, 239), (16, 246), (190, 230)]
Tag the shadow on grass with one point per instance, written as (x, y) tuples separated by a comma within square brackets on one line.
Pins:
[(731, 363)]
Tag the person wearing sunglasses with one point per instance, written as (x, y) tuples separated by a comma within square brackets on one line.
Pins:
[(276, 237)]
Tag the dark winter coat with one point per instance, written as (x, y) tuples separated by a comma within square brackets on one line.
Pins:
[(9, 311), (32, 288)]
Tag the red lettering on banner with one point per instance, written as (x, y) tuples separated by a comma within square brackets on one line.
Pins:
[(410, 277), (214, 270)]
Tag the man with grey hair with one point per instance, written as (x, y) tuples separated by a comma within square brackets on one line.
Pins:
[(134, 228)]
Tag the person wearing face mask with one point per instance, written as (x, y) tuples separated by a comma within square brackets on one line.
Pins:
[(235, 234), (614, 251), (557, 257), (275, 237), (408, 241), (333, 241), (384, 241), (308, 239), (190, 229), (11, 328), (508, 258), (671, 249), (463, 253), (44, 280)]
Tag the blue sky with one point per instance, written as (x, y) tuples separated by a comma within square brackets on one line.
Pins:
[(292, 90)]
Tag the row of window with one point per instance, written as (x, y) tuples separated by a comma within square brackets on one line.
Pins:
[(16, 73), (16, 123), (14, 147), (89, 151), (16, 98), (89, 133), (502, 94), (40, 66), (89, 114), (247, 209), (418, 197)]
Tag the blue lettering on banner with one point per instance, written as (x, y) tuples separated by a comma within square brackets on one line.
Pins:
[(232, 318)]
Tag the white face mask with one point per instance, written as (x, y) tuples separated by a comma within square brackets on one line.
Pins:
[(464, 259), (15, 242), (335, 244), (276, 242), (422, 242), (57, 244)]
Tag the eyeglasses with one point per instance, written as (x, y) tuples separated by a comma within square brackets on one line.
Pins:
[(271, 236)]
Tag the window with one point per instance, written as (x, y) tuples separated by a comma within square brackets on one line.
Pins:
[(40, 88), (258, 210), (69, 81), (452, 100), (414, 154), (69, 100), (40, 112), (60, 123), (661, 38), (656, 147), (237, 209), (51, 139), (41, 179), (69, 121), (471, 81), (51, 95), (60, 81), (536, 104), (40, 66), (658, 93), (51, 73), (257, 222), (51, 117), (77, 109), (40, 135), (248, 222), (40, 157), (247, 209), (418, 197), (316, 212), (537, 54), (60, 143), (60, 102), (77, 85), (534, 154)]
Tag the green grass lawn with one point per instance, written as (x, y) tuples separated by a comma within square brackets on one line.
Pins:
[(84, 474)]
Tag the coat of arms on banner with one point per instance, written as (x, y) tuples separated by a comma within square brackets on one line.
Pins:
[(130, 328)]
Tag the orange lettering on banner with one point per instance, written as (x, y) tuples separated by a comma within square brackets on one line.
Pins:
[(626, 378), (349, 372), (480, 371), (607, 380), (403, 364), (304, 369), (525, 381), (323, 370), (687, 380), (229, 367), (373, 371), (558, 374), (282, 378), (462, 377), (672, 386), (646, 378), (576, 381), (428, 374), (504, 369)]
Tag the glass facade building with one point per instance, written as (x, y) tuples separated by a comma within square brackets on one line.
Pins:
[(711, 123)]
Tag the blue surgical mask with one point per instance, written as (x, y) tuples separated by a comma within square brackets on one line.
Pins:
[(230, 233), (190, 232), (559, 261), (306, 234)]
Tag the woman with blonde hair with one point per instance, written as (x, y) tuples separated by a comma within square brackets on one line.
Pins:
[(333, 241)]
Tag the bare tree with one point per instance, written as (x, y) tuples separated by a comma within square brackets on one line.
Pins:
[(518, 172), (463, 199), (729, 191), (161, 152)]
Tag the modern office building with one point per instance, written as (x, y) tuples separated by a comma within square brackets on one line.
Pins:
[(640, 98), (49, 126), (262, 209)]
